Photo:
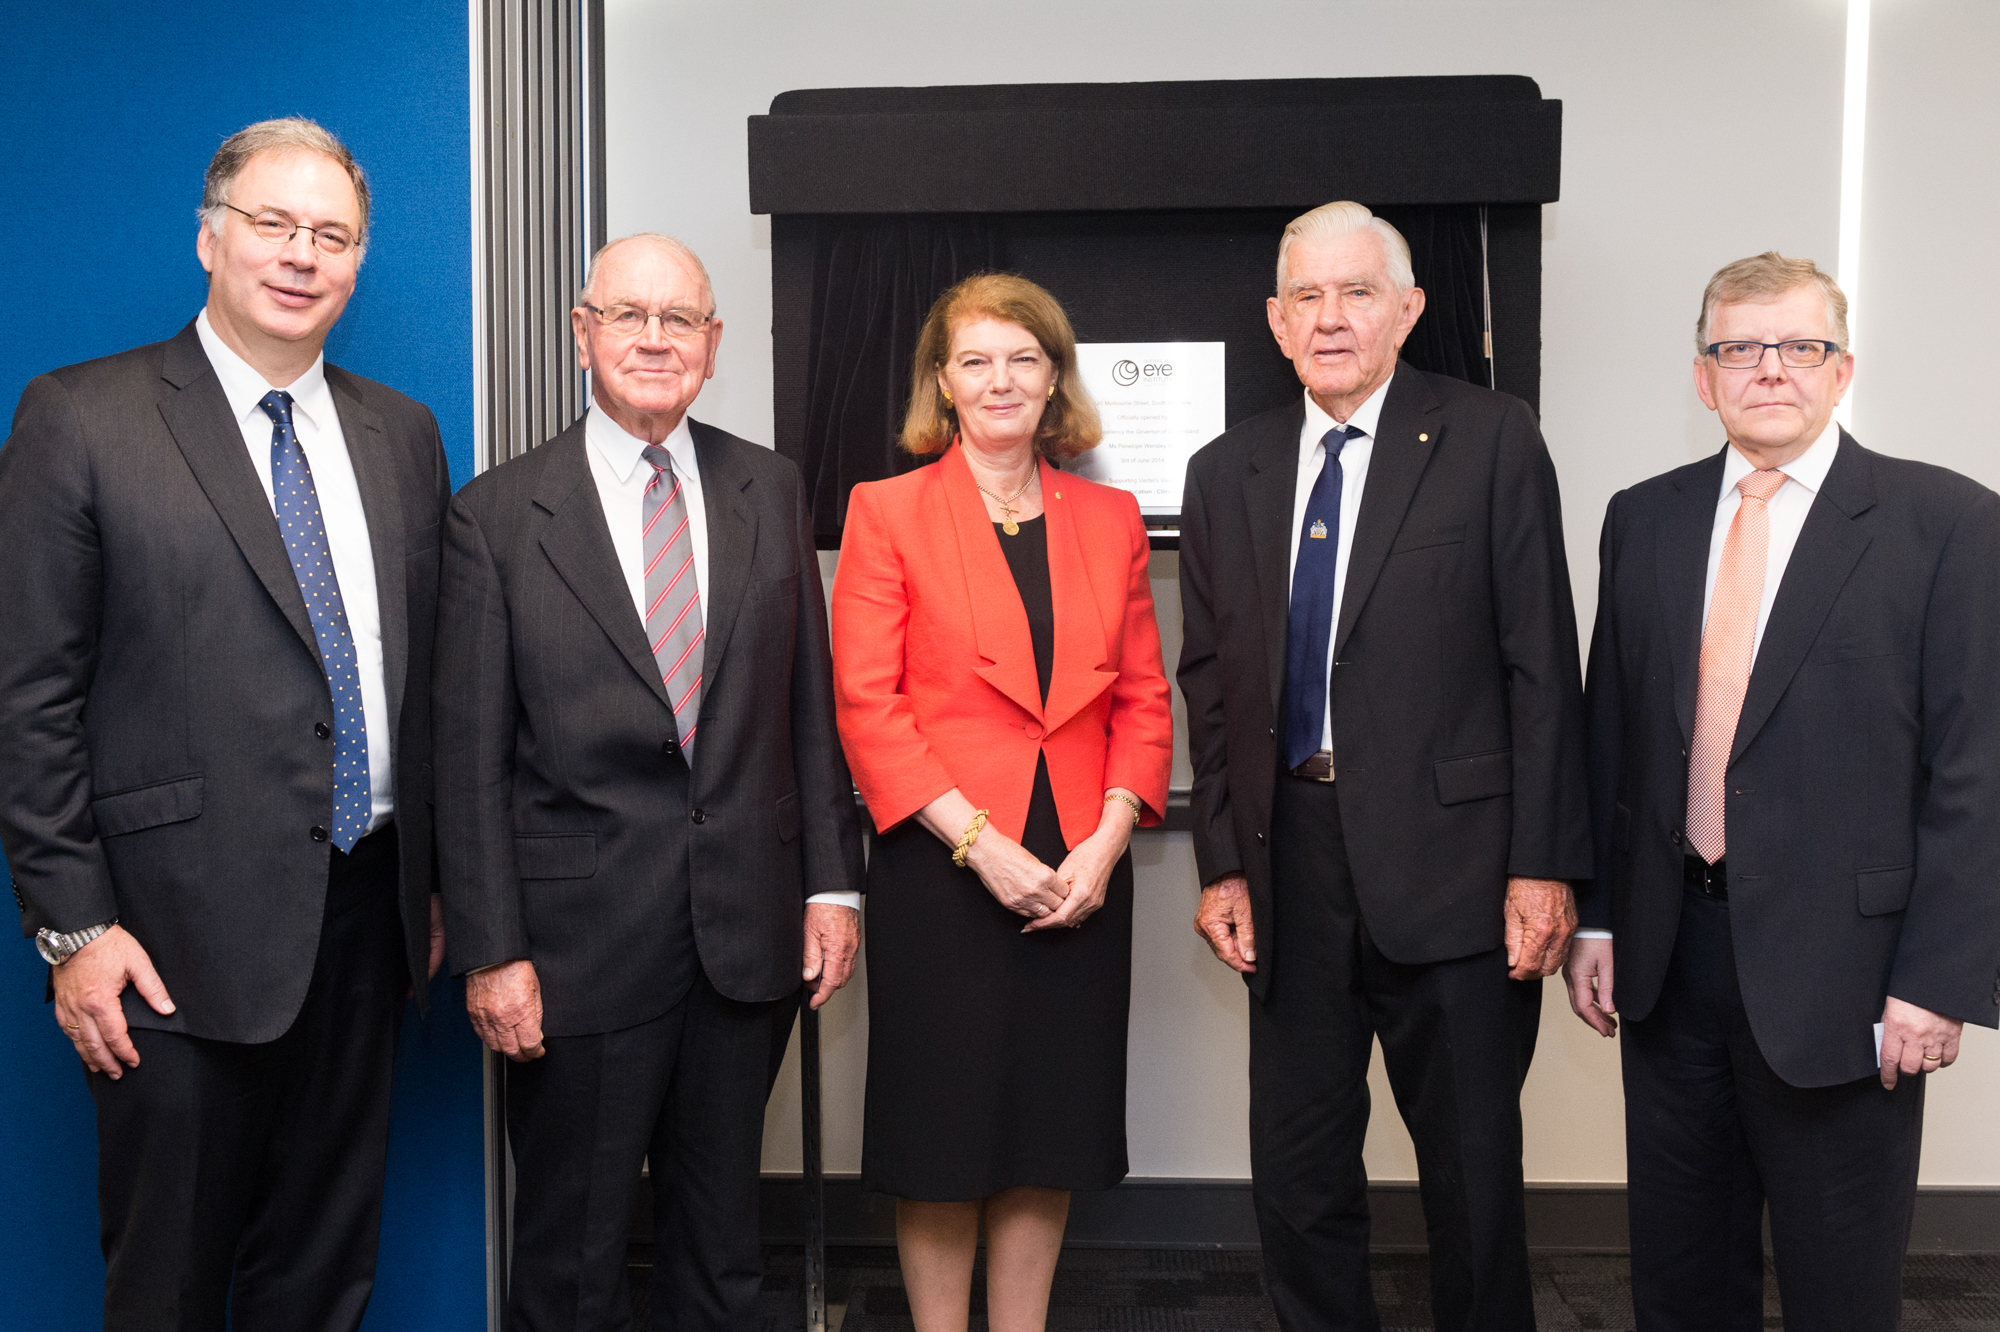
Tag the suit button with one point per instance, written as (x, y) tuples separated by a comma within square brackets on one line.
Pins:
[(318, 833), (1034, 731), (1677, 837), (322, 730), (1260, 839), (699, 817), (1274, 733), (670, 747)]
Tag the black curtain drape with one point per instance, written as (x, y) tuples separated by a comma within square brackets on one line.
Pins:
[(1167, 275), (1446, 259), (875, 278)]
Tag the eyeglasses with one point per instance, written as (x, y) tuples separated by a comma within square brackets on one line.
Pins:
[(278, 228), (629, 321), (1798, 354)]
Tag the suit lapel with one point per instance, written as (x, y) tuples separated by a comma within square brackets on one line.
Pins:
[(1269, 495), (1829, 546), (732, 544), (198, 416), (999, 620), (1081, 671), (577, 541), (381, 504), (1405, 435), (1681, 567)]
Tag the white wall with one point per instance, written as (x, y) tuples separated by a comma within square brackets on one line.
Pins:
[(1659, 190), (1930, 284)]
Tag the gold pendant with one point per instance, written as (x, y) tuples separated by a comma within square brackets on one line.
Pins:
[(1011, 528)]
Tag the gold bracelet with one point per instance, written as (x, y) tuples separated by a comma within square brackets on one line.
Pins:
[(967, 838), (1125, 800)]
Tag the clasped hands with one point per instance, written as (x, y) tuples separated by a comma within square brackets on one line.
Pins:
[(1063, 897), (1540, 918)]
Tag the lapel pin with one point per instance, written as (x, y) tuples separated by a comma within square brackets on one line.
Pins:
[(1058, 494), (1423, 439)]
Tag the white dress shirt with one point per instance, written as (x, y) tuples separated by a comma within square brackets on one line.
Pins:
[(1804, 475), (622, 474), (1787, 508), (317, 427), (618, 466), (1354, 456)]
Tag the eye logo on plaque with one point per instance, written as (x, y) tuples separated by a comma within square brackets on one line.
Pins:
[(1318, 532), (1159, 402)]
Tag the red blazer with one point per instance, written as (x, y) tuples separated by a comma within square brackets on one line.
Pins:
[(934, 671)]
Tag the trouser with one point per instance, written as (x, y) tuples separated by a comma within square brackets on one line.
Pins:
[(244, 1182), (684, 1092), (1457, 1037), (1712, 1135)]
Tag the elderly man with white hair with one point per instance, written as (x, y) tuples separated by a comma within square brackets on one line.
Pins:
[(1385, 719), (647, 833)]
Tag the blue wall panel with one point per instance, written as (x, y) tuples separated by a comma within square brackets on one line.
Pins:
[(108, 116)]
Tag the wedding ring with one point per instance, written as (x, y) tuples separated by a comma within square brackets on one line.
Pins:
[(1934, 1059)]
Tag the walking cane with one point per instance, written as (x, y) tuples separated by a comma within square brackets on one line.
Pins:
[(814, 1173)]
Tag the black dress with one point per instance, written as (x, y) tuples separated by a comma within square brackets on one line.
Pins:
[(995, 1058)]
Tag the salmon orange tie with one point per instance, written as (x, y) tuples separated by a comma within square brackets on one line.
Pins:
[(1728, 644)]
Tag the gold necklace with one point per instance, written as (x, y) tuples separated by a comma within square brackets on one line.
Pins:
[(1007, 523)]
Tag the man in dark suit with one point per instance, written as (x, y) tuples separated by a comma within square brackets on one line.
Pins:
[(1794, 707), (648, 829), (1385, 719), (220, 562)]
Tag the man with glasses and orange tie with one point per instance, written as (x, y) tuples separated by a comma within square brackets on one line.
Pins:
[(647, 832), (1794, 697), (219, 556)]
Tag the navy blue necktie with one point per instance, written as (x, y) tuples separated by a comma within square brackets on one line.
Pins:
[(1309, 627), (304, 530)]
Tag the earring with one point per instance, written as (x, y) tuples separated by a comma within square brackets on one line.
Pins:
[(1052, 393), (947, 397)]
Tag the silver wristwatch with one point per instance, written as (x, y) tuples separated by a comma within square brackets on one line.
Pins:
[(57, 949)]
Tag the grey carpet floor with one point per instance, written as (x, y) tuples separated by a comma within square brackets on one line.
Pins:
[(1168, 1290)]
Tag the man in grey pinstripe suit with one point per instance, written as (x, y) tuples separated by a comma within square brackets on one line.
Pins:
[(648, 834)]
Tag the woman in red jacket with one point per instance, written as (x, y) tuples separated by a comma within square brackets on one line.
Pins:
[(1001, 702)]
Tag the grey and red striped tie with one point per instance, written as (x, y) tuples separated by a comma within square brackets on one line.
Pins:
[(673, 601)]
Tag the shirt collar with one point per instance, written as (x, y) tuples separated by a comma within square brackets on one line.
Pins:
[(244, 387), (1365, 417), (1809, 469), (624, 452)]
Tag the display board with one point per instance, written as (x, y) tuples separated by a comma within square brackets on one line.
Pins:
[(1152, 211), (1159, 402)]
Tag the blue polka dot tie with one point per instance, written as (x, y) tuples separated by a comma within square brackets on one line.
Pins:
[(304, 530)]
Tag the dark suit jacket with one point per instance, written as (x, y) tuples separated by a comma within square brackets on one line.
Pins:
[(1458, 733), (1863, 801), (160, 683), (572, 831)]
